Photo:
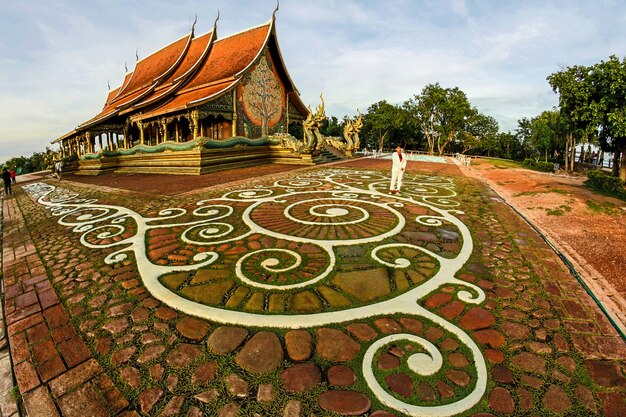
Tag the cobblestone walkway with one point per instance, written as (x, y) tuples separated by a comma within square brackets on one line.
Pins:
[(297, 297)]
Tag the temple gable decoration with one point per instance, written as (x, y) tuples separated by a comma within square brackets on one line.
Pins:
[(263, 95)]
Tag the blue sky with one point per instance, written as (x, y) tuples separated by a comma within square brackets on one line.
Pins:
[(57, 56)]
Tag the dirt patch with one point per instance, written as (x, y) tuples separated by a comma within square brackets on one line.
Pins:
[(593, 225)]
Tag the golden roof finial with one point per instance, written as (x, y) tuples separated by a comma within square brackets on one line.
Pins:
[(276, 9), (193, 25), (216, 19)]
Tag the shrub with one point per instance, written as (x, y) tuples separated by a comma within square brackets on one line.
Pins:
[(544, 166), (539, 165), (605, 183)]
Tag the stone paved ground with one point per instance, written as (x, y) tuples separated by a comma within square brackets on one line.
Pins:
[(88, 339)]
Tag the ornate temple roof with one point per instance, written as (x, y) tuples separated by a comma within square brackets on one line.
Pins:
[(189, 72)]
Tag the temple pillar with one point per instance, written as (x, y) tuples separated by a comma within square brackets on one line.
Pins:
[(125, 133), (194, 126), (141, 134), (234, 127), (89, 146), (286, 128), (164, 130)]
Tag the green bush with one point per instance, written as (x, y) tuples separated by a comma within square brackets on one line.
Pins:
[(544, 166), (539, 165), (605, 183)]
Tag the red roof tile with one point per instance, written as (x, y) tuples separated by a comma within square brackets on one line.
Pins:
[(154, 66), (180, 101), (230, 56)]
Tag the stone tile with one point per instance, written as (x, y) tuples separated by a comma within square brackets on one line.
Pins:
[(262, 353), (148, 398), (74, 377), (362, 331), (501, 401), (226, 339), (477, 318), (344, 402), (192, 328), (82, 402), (555, 400), (298, 344), (39, 403), (183, 355), (26, 376), (301, 377), (613, 404), (341, 376), (530, 362), (335, 345), (74, 351), (51, 368), (56, 316), (606, 373), (387, 326)]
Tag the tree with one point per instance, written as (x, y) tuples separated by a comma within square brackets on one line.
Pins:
[(577, 115), (441, 113), (332, 127), (384, 123), (523, 134), (608, 105), (479, 128)]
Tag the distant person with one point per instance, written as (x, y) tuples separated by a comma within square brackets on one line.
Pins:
[(6, 177), (58, 167), (13, 175), (398, 166)]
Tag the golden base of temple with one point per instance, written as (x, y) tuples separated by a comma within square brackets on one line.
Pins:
[(196, 161)]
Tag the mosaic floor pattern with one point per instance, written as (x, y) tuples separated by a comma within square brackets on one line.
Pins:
[(309, 294), (274, 249)]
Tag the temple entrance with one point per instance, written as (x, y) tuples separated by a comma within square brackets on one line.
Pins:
[(216, 127)]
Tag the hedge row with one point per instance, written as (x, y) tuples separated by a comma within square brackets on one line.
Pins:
[(605, 183), (539, 165)]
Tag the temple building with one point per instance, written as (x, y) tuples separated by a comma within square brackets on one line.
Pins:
[(195, 105)]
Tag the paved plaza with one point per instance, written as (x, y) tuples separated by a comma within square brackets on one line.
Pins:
[(311, 292)]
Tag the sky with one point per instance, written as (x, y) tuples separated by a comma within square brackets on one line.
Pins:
[(57, 57)]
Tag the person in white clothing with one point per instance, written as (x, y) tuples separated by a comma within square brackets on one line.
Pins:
[(397, 170), (58, 168)]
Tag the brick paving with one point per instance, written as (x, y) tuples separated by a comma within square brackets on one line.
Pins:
[(86, 338)]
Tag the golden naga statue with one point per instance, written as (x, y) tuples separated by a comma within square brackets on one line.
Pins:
[(312, 137), (351, 131)]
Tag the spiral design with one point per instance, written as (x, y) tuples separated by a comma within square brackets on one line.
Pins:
[(214, 211), (249, 194), (423, 364), (326, 218), (207, 233), (299, 183), (87, 215), (282, 269), (428, 220), (93, 238)]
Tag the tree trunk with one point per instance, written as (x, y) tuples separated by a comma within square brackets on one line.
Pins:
[(616, 157), (622, 168), (566, 153), (546, 155), (572, 159)]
